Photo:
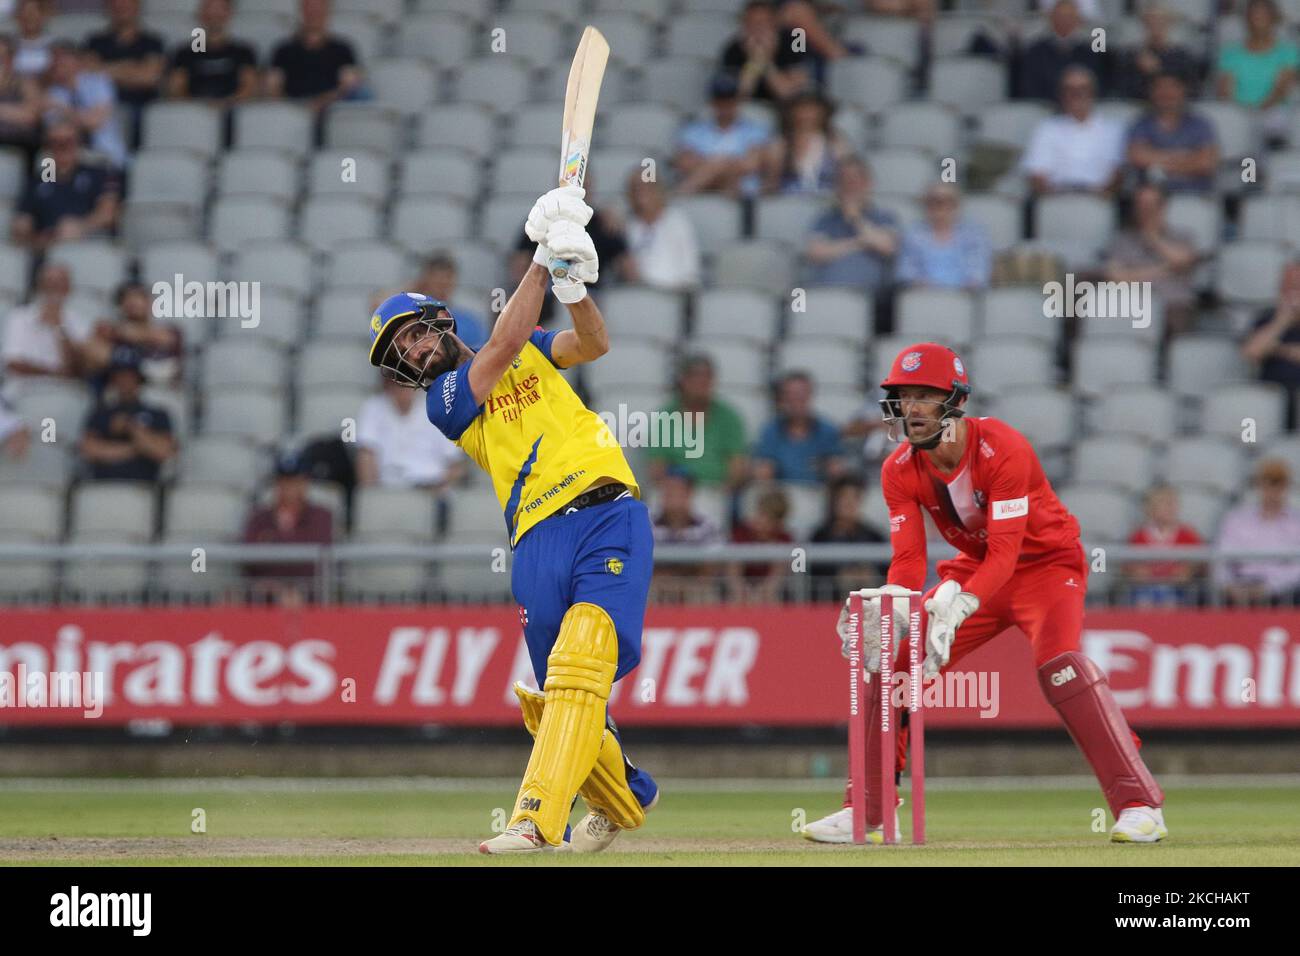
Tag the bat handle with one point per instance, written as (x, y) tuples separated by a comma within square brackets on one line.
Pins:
[(558, 268)]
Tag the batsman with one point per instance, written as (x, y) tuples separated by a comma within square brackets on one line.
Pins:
[(581, 536), (1019, 564)]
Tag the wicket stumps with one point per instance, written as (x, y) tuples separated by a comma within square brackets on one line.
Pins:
[(910, 602)]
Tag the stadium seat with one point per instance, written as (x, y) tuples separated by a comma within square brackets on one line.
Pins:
[(352, 173), (650, 127), (169, 176), (736, 364), (1286, 447), (444, 39), (1248, 272), (631, 42), (258, 172), (644, 312), (1234, 126), (699, 35), (677, 81), (535, 126), (145, 223), (1016, 311), (1009, 124), (341, 312), (1114, 459), (1201, 509), (448, 172), (239, 362), (1281, 170), (996, 364), (286, 266), (870, 83), (1148, 412), (475, 129), (182, 124), (278, 125), (1047, 416), (1200, 216), (204, 511), (923, 314), (1226, 409), (1216, 463), (240, 220), (324, 409), (32, 512), (124, 509), (406, 84), (767, 266), (396, 514), (98, 266), (1106, 514), (1103, 363), (906, 209), (970, 84), (530, 38), (221, 460), (351, 125), (1269, 217), (420, 223), (262, 29), (717, 219), (1075, 217), (634, 363), (256, 415), (46, 463), (903, 171), (953, 32), (1197, 363), (523, 165), (15, 268), (829, 363), (727, 313), (786, 218), (194, 261), (362, 32), (831, 313), (326, 363), (327, 221), (898, 38), (493, 83), (932, 127), (65, 404), (370, 263)]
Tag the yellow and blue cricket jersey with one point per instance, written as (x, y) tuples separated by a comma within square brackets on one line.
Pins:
[(534, 437)]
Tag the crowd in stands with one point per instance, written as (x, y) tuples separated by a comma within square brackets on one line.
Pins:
[(765, 125)]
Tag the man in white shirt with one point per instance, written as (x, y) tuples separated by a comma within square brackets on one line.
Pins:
[(44, 340), (398, 449), (1076, 150), (663, 250)]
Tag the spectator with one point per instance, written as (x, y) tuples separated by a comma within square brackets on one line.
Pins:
[(663, 251), (762, 57), (809, 150), (760, 581), (289, 519), (1172, 145), (1077, 149), (438, 280), (133, 58), (722, 154), (852, 243), (677, 521), (823, 45), (1157, 55), (920, 10), (945, 250), (44, 340), (844, 525), (1274, 341), (1151, 250), (224, 72), (395, 448), (124, 439), (79, 93), (81, 199), (32, 57), (797, 445), (1260, 72), (716, 455), (1269, 522), (157, 345), (314, 65), (1042, 64), (20, 106), (1163, 582), (15, 436)]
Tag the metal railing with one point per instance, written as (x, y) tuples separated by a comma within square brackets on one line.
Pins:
[(218, 572)]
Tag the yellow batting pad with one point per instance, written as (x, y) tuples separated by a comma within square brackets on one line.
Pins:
[(605, 788), (579, 675)]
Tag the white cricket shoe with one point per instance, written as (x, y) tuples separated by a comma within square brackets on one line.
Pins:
[(520, 838), (596, 831), (1139, 825), (838, 828)]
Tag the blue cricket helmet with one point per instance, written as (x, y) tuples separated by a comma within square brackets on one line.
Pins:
[(393, 313)]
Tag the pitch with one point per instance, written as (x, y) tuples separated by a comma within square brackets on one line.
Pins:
[(427, 822)]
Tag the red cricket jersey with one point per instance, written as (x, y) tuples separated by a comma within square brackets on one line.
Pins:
[(997, 507)]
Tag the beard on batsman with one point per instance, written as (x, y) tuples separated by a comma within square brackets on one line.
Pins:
[(582, 540), (1020, 564)]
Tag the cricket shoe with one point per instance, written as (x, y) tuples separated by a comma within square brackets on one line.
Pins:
[(838, 828), (1139, 825), (596, 831), (520, 838)]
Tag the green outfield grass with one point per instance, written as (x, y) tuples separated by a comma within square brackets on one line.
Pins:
[(389, 823)]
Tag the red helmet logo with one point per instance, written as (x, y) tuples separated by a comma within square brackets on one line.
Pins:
[(911, 361)]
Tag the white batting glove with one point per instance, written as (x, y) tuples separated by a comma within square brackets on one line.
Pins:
[(542, 256), (563, 204), (869, 626), (949, 607), (570, 242)]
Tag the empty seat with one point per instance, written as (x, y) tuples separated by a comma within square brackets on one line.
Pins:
[(475, 129), (46, 463), (536, 126), (736, 313), (186, 125), (441, 38), (1106, 515), (649, 127), (1217, 463), (1045, 415), (831, 313), (327, 221), (343, 312), (759, 265), (204, 511), (736, 363), (1230, 410), (1269, 217), (633, 363), (522, 165), (717, 219), (401, 514), (258, 172), (494, 83), (325, 410), (353, 173), (932, 127), (871, 83), (699, 35), (970, 84), (1149, 412), (1201, 508), (1114, 459), (98, 265), (31, 512), (423, 222), (1010, 123), (1017, 310), (169, 175), (1233, 125), (786, 218), (276, 265), (238, 361), (997, 364), (898, 38), (936, 313), (829, 363), (123, 509), (65, 404), (274, 125), (999, 215), (449, 172), (258, 415), (364, 126), (408, 84), (650, 313), (1198, 363), (1199, 216), (241, 219), (322, 364), (630, 37), (223, 460), (1248, 272), (677, 81), (373, 263), (903, 171), (1081, 218), (15, 267), (1100, 364)]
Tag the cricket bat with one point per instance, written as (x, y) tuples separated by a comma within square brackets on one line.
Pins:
[(580, 96)]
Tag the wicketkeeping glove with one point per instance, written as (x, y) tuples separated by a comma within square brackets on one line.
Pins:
[(869, 627), (562, 204), (949, 607)]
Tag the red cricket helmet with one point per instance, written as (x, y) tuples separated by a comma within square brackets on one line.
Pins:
[(931, 365)]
